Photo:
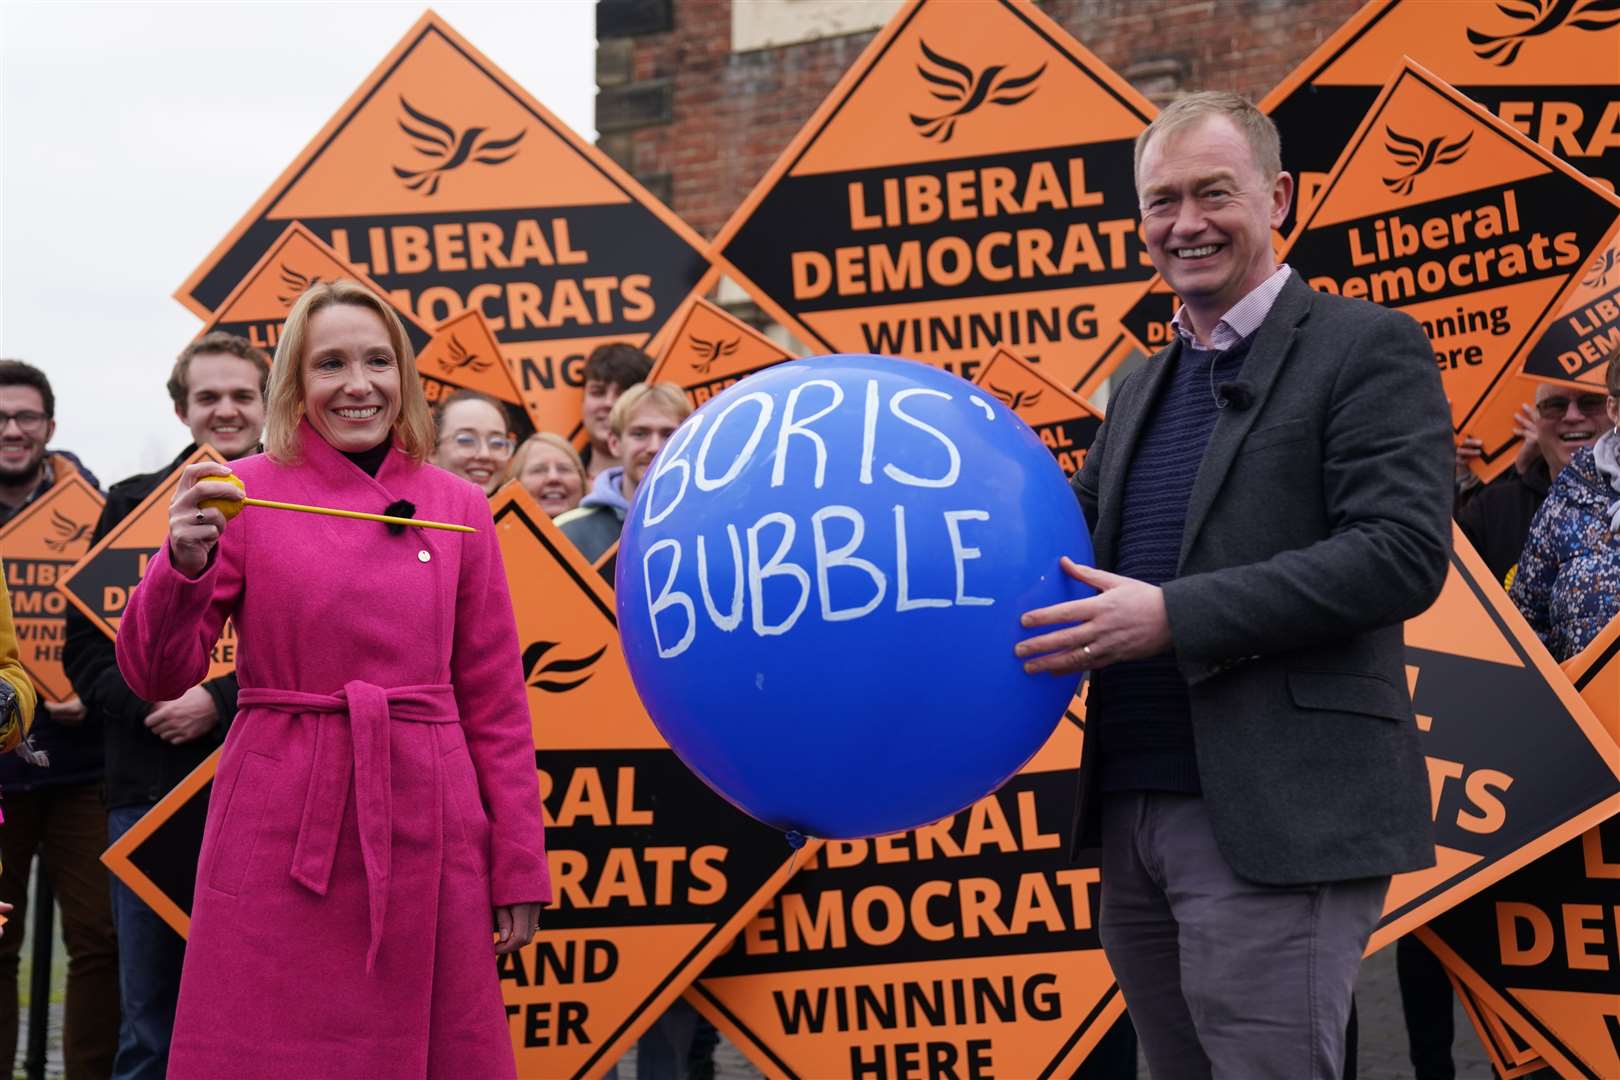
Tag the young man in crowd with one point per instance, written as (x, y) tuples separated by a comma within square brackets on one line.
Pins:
[(217, 386), (610, 370), (55, 812), (639, 424)]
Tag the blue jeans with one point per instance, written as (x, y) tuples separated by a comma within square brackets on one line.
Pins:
[(149, 958)]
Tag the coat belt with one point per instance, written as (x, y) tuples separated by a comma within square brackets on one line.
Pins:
[(363, 745)]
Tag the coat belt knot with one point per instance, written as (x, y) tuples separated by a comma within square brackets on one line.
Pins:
[(363, 746)]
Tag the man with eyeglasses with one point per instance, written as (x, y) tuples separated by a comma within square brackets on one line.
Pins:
[(1496, 518), (217, 389), (58, 812)]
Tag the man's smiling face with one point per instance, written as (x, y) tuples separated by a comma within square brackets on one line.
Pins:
[(1208, 213)]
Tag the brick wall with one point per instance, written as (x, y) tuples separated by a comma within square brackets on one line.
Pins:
[(700, 124)]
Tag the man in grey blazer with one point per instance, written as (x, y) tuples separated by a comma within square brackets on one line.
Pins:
[(1269, 500)]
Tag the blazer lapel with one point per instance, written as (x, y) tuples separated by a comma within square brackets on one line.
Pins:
[(1272, 343), (1126, 424)]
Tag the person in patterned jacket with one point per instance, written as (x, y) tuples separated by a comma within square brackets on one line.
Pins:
[(1568, 584)]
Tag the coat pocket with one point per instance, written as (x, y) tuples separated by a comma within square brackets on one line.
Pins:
[(1286, 432), (461, 780), (239, 826), (1349, 692)]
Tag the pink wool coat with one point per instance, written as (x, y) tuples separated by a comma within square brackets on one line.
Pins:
[(377, 793)]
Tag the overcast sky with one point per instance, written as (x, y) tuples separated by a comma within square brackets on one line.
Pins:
[(133, 135)]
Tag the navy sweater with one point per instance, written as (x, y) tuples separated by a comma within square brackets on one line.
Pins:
[(1138, 710)]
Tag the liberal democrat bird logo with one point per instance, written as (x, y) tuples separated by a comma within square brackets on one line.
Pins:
[(1013, 399), (1544, 16), (710, 351), (68, 532), (557, 676), (1418, 157), (959, 85), (1597, 275), (460, 359), (295, 283), (438, 140)]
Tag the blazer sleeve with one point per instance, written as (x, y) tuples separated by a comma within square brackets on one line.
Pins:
[(1387, 467), (1085, 482), (166, 637), (13, 728), (487, 675)]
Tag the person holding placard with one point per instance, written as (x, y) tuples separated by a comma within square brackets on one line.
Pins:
[(217, 389), (376, 807), (1269, 499), (55, 811), (1568, 581)]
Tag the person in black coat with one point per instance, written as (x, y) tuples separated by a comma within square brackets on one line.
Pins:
[(217, 386)]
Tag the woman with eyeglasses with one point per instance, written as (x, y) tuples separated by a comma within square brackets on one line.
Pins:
[(473, 439), (1568, 579)]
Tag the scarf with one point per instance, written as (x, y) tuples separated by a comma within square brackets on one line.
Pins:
[(1606, 454)]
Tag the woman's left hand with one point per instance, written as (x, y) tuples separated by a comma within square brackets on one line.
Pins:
[(515, 924)]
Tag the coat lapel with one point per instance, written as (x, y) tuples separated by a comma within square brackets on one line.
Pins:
[(1271, 347), (1126, 424)]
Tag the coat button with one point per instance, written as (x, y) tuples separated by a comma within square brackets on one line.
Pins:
[(423, 555)]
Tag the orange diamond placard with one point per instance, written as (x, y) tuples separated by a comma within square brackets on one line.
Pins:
[(709, 349), (653, 872), (966, 185), (101, 582), (967, 947), (455, 189), (1539, 948), (1517, 762), (1550, 68), (1066, 423), (258, 303), (1443, 211), (464, 355), (37, 547)]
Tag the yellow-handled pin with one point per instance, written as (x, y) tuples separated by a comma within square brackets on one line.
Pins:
[(231, 507)]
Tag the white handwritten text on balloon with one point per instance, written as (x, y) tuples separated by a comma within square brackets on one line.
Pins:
[(843, 582)]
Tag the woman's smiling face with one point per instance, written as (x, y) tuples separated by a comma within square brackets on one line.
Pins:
[(351, 377)]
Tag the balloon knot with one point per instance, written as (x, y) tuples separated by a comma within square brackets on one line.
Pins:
[(795, 839)]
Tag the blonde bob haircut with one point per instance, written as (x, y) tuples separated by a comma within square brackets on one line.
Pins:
[(284, 402)]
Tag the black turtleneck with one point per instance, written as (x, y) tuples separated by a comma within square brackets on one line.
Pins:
[(369, 460)]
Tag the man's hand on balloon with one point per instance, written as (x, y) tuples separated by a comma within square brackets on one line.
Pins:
[(1126, 620)]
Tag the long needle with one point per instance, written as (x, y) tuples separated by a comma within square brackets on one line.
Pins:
[(358, 515)]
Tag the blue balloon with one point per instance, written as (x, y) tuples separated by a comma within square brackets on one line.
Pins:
[(819, 590)]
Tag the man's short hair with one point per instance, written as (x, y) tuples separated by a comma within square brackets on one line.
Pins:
[(1185, 112), (619, 364), (18, 373), (663, 395), (215, 341), (1611, 376)]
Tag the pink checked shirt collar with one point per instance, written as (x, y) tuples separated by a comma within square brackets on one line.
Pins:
[(1242, 321)]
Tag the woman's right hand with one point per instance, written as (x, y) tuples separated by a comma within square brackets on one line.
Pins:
[(193, 529)]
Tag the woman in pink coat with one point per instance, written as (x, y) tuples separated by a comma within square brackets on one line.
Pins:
[(376, 808)]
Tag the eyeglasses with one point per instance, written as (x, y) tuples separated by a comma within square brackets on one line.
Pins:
[(468, 443), (29, 422), (1554, 407)]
